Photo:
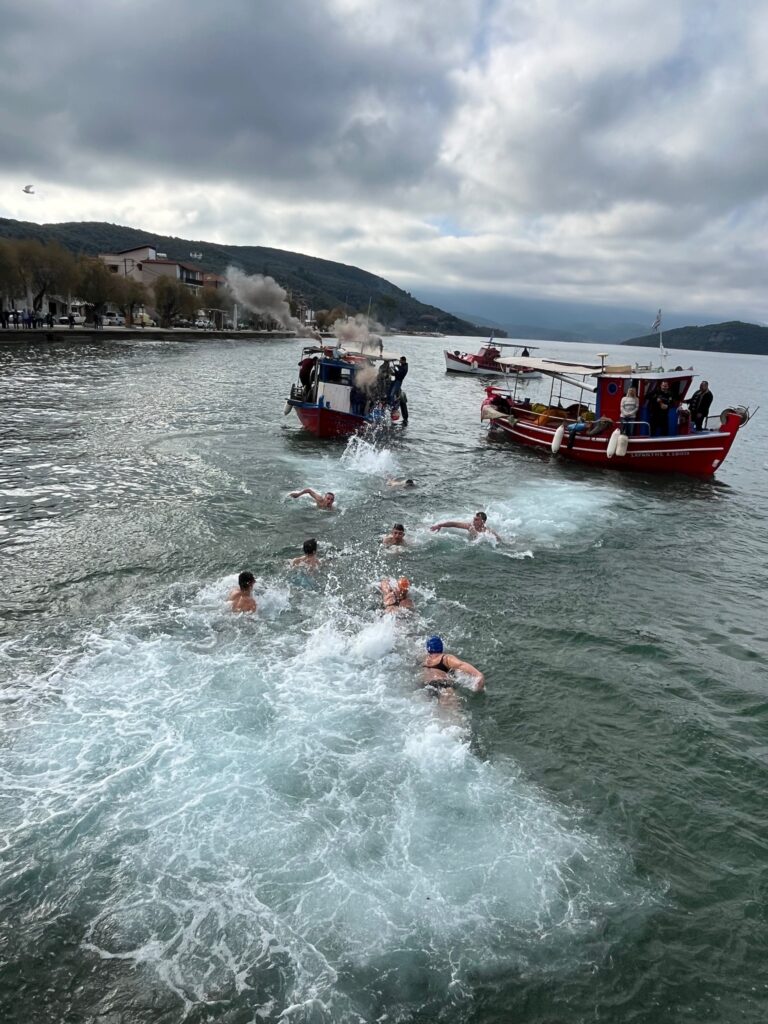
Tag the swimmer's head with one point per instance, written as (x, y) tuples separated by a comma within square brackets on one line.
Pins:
[(310, 546), (403, 583), (409, 483), (434, 645), (246, 580), (398, 529), (330, 497), (479, 520)]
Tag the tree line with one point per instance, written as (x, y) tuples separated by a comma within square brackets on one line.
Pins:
[(32, 271)]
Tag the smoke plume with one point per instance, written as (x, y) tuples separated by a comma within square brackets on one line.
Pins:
[(264, 295)]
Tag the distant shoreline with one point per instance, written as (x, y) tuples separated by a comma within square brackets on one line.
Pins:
[(64, 334)]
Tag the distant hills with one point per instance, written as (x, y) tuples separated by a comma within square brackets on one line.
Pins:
[(734, 336), (322, 283)]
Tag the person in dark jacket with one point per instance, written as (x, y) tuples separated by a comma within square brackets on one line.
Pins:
[(398, 376), (699, 404), (659, 405)]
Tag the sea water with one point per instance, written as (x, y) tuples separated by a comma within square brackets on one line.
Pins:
[(246, 818)]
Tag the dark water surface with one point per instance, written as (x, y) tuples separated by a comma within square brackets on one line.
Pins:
[(208, 818)]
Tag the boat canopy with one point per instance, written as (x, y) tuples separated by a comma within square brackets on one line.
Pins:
[(509, 344), (549, 365), (375, 357), (554, 368)]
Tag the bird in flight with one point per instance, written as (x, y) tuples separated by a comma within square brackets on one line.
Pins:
[(29, 189)]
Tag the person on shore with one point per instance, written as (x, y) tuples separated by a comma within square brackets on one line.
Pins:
[(321, 500), (699, 404), (71, 321), (396, 536), (395, 595), (474, 528), (309, 559), (241, 599), (392, 482), (628, 411), (439, 667)]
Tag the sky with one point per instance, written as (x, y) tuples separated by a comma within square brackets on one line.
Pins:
[(611, 152)]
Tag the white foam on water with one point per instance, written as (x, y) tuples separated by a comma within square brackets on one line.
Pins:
[(282, 797), (362, 456)]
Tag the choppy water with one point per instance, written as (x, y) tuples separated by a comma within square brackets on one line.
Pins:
[(211, 818)]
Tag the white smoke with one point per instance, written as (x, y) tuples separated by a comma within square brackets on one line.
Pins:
[(264, 295), (356, 333)]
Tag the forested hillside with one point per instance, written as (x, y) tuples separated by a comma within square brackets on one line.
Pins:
[(734, 336)]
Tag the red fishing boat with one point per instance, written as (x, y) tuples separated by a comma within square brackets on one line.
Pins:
[(582, 419), (341, 391), (488, 362)]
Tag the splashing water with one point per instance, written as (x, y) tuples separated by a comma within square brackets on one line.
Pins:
[(363, 456), (260, 811)]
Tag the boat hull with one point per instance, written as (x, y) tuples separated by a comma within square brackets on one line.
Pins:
[(699, 454), (324, 422), (463, 364)]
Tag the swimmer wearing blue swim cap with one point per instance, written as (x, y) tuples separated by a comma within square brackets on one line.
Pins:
[(439, 667)]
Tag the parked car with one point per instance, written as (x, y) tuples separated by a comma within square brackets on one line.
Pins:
[(206, 325), (113, 320), (182, 323), (77, 317)]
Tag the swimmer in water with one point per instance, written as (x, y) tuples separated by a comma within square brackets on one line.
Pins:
[(242, 599), (475, 528), (309, 559), (321, 500), (439, 666), (395, 594), (396, 536), (392, 482)]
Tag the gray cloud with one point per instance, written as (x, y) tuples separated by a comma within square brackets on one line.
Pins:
[(616, 152)]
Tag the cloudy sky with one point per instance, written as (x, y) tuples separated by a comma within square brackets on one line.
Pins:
[(607, 151)]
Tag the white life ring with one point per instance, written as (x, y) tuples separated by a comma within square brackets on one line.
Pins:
[(613, 442), (557, 440)]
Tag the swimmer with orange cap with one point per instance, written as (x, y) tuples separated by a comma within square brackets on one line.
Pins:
[(395, 594)]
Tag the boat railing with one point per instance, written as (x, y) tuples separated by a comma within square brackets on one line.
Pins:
[(645, 428)]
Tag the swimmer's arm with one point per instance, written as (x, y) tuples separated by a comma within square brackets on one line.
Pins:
[(457, 665), (499, 538), (387, 593), (450, 523)]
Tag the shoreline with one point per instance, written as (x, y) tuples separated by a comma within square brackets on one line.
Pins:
[(63, 334)]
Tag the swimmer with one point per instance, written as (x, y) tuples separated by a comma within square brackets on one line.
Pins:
[(309, 559), (396, 536), (395, 594), (475, 528), (242, 599), (321, 500), (392, 482), (438, 667)]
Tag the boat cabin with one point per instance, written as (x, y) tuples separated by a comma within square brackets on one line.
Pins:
[(343, 380), (595, 393)]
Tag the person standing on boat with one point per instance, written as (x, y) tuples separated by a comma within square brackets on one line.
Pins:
[(241, 599), (659, 405), (628, 411), (525, 353), (321, 500), (475, 528), (398, 376), (440, 666), (699, 404), (306, 366)]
